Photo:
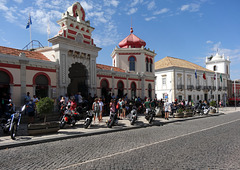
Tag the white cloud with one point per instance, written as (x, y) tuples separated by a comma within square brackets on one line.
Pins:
[(193, 7), (111, 2), (135, 3), (18, 1), (150, 18), (151, 5), (209, 42), (162, 11), (86, 6), (132, 11)]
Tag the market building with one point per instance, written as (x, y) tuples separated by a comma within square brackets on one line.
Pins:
[(69, 65)]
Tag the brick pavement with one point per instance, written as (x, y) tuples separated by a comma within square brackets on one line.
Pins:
[(98, 128)]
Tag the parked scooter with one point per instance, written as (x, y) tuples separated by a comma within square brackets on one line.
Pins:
[(133, 115), (88, 119), (71, 117), (10, 123), (112, 120), (150, 114)]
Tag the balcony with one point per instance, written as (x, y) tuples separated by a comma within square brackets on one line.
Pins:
[(224, 88), (180, 87), (214, 88), (190, 87), (205, 88), (198, 88), (219, 88)]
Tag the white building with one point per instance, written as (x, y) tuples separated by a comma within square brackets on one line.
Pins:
[(183, 80)]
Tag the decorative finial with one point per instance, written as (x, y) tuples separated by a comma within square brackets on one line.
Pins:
[(131, 30)]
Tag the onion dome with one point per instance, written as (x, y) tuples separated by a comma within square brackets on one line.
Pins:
[(132, 40)]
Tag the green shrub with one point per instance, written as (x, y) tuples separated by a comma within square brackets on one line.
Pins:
[(213, 103), (45, 106)]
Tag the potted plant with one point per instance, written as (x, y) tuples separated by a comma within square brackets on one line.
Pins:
[(179, 113), (188, 112), (44, 107), (212, 106)]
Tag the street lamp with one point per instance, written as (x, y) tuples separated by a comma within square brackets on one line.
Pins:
[(235, 93)]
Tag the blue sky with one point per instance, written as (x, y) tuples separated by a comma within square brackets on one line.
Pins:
[(186, 29)]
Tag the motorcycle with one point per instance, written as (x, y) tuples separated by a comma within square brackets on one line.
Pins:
[(150, 115), (112, 120), (10, 124), (88, 119), (71, 117), (133, 115)]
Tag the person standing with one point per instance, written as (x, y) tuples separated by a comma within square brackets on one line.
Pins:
[(96, 109), (120, 109), (27, 98), (80, 99), (30, 110), (166, 109), (101, 108)]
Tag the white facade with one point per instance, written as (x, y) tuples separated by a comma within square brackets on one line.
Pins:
[(180, 83)]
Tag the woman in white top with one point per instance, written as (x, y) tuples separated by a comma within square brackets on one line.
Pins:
[(101, 108), (166, 109)]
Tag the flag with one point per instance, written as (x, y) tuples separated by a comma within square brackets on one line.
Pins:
[(221, 77), (29, 22), (204, 76), (196, 74)]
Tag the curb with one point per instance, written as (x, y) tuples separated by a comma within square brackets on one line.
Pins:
[(108, 130)]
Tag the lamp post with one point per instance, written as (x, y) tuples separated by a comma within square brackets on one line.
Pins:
[(235, 93)]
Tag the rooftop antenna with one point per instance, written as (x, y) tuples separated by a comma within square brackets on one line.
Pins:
[(131, 26)]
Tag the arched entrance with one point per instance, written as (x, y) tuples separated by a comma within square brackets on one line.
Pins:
[(78, 75), (133, 90), (41, 82), (104, 88), (150, 91), (4, 83), (120, 87)]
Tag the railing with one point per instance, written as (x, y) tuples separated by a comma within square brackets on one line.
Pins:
[(180, 87), (198, 88), (190, 87), (205, 88)]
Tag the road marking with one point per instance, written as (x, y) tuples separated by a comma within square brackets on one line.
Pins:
[(144, 146)]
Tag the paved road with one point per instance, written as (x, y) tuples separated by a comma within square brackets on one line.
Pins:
[(210, 143)]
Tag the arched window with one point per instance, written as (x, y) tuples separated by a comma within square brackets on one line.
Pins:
[(41, 86), (104, 88), (150, 91), (147, 64), (132, 63), (120, 87), (133, 90), (214, 68), (151, 65)]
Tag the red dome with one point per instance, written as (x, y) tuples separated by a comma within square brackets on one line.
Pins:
[(133, 41)]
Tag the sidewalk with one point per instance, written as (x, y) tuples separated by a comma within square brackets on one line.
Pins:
[(24, 139)]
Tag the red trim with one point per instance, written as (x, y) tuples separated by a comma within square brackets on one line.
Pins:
[(87, 31), (71, 25), (83, 14), (146, 59), (82, 29), (133, 79), (86, 42), (17, 85), (29, 85), (129, 53), (151, 61), (104, 76), (149, 80), (64, 33), (132, 56), (54, 86), (41, 69), (70, 37), (87, 36), (104, 80), (8, 73), (10, 65), (148, 56), (77, 27), (72, 32), (63, 25), (122, 78), (41, 73)]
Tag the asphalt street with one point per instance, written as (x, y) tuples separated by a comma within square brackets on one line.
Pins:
[(210, 143)]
